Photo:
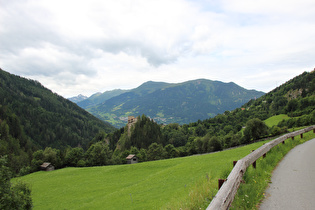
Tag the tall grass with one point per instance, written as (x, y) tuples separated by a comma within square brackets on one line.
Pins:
[(201, 193), (251, 192), (199, 196)]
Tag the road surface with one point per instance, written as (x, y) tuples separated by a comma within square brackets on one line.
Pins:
[(293, 180)]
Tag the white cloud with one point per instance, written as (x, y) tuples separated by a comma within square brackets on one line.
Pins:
[(78, 46), (301, 8)]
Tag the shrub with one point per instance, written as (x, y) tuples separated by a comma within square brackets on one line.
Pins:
[(16, 196)]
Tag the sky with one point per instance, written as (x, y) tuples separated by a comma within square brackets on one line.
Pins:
[(86, 46)]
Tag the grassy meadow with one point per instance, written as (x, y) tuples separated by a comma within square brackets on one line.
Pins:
[(148, 185), (274, 120)]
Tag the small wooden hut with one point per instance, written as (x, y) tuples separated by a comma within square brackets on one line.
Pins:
[(47, 167), (132, 159)]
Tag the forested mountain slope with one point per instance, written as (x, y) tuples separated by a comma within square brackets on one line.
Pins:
[(47, 118), (174, 103), (295, 98)]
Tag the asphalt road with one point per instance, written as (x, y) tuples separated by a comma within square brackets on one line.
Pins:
[(293, 180)]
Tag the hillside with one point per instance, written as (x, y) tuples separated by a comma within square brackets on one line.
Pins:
[(295, 98), (174, 103), (47, 118)]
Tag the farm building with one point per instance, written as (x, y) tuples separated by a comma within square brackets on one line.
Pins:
[(47, 167), (132, 159)]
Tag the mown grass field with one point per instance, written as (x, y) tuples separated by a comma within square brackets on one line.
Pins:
[(149, 185)]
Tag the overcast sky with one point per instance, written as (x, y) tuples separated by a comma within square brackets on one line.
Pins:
[(76, 46)]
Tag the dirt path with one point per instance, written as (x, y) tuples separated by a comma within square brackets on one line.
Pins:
[(293, 181)]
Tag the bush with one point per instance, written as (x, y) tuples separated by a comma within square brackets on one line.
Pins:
[(25, 170), (255, 129), (214, 144), (275, 130), (81, 163), (17, 196)]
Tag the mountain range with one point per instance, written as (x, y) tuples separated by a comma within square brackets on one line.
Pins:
[(169, 102)]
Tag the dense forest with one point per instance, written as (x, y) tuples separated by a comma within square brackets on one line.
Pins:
[(152, 141), (47, 118), (32, 118)]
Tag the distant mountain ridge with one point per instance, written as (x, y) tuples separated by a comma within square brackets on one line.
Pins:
[(77, 99), (173, 102), (98, 98)]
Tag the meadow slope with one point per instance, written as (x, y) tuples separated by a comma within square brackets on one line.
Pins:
[(148, 185)]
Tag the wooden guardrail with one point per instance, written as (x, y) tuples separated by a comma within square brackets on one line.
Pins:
[(224, 197)]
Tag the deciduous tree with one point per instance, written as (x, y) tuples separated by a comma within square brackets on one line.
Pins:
[(16, 196)]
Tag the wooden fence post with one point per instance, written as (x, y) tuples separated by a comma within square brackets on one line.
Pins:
[(254, 164), (220, 182)]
